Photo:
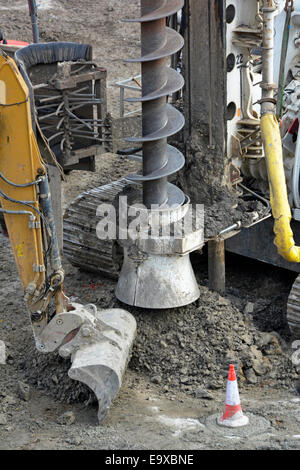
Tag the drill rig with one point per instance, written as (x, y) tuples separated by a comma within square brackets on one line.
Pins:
[(246, 118), (240, 63)]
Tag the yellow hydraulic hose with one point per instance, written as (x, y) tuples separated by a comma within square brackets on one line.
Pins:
[(284, 239)]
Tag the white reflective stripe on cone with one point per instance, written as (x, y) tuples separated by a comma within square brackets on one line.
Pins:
[(232, 393)]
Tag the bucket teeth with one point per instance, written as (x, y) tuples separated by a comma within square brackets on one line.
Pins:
[(160, 120)]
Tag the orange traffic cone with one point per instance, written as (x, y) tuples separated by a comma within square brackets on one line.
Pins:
[(233, 415)]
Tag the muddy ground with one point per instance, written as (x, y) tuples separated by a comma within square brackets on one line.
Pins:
[(175, 383)]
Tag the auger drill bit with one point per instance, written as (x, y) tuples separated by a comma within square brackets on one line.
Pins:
[(157, 273)]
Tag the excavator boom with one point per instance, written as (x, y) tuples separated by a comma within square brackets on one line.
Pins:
[(21, 168)]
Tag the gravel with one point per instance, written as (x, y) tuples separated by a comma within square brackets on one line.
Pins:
[(192, 347), (187, 349)]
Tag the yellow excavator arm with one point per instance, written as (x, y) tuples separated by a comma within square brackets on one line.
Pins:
[(20, 168), (22, 179), (98, 342)]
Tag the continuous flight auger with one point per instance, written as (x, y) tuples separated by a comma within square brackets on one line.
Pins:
[(157, 272), (160, 120)]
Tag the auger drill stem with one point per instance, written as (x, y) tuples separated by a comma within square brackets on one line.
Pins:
[(159, 120), (155, 274), (153, 35)]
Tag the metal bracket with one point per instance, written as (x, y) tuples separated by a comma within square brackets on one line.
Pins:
[(34, 225), (296, 214), (54, 334), (39, 268)]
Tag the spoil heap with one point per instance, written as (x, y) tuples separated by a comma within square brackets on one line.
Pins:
[(187, 349)]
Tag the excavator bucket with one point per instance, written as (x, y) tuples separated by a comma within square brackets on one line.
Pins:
[(101, 365)]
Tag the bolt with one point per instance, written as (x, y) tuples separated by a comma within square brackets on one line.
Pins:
[(86, 331), (36, 317), (59, 322)]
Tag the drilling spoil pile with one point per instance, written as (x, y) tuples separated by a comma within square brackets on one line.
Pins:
[(187, 349)]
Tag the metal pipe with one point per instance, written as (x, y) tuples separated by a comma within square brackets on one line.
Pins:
[(233, 227), (296, 175), (33, 15), (267, 85), (284, 48), (216, 266)]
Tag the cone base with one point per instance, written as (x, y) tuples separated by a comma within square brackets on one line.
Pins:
[(238, 420)]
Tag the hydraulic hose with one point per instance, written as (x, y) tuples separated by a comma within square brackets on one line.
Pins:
[(281, 211), (284, 239)]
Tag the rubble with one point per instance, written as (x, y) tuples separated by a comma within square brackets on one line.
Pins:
[(24, 391), (203, 339), (3, 419), (2, 353), (66, 419)]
